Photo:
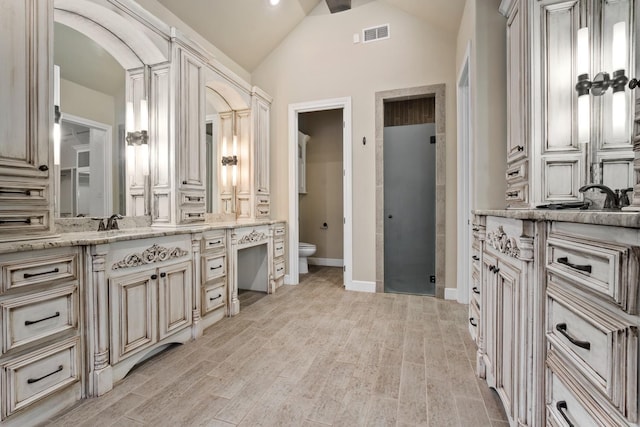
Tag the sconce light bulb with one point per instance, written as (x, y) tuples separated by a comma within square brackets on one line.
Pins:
[(274, 2), (619, 115), (234, 148), (584, 119), (144, 158), (582, 63), (619, 46), (129, 118), (131, 160), (56, 144), (234, 175), (144, 115)]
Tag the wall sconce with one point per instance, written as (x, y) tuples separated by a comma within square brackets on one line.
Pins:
[(137, 141), (602, 82), (231, 160), (57, 115)]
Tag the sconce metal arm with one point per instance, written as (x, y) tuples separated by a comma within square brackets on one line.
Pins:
[(229, 160)]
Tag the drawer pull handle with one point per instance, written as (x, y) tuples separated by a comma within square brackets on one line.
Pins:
[(215, 268), (279, 248), (215, 298), (496, 270), (35, 380), (194, 215), (514, 173), (475, 258), (473, 322), (28, 275), (16, 221), (565, 261), (512, 194), (476, 228), (491, 268), (43, 168), (193, 199), (520, 148), (561, 406), (562, 328), (475, 290), (217, 242), (25, 192), (31, 322)]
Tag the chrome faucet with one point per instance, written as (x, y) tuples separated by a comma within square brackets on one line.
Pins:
[(612, 201), (112, 224)]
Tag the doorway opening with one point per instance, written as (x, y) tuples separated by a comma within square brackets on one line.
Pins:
[(465, 185), (303, 114), (411, 191), (84, 184)]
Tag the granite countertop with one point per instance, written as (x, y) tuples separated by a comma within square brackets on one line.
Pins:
[(616, 219), (84, 238)]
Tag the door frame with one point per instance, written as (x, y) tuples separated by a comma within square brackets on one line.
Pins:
[(108, 163), (293, 278), (437, 90), (465, 184)]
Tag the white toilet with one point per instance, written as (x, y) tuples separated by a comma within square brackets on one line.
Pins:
[(305, 250)]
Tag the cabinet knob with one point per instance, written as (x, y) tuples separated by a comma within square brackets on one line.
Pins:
[(163, 274), (43, 168), (154, 276), (184, 182)]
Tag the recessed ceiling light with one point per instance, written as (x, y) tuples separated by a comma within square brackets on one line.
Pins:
[(274, 2)]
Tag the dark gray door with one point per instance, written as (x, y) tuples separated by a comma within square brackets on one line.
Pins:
[(409, 209)]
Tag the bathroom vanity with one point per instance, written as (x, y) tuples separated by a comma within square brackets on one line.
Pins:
[(554, 300), (81, 307)]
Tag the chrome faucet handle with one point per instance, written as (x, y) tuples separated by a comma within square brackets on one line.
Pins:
[(101, 226), (624, 197)]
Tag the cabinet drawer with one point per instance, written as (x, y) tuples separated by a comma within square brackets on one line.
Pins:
[(599, 267), (262, 210), (24, 221), (215, 267), (516, 173), (517, 195), (600, 345), (17, 274), (28, 193), (279, 231), (214, 241), (474, 321), (192, 199), (33, 317), (213, 297), (279, 269), (40, 374), (262, 199), (192, 215), (278, 248), (569, 401)]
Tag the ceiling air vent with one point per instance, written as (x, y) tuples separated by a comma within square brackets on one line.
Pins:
[(380, 32)]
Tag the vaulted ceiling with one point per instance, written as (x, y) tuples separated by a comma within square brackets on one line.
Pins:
[(248, 30)]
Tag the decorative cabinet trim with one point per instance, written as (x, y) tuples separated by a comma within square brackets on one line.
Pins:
[(500, 241), (252, 237), (155, 253)]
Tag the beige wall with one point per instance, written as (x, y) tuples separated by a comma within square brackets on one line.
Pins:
[(323, 202), (318, 60)]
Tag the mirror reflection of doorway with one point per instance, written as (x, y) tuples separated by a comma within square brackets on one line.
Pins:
[(84, 186)]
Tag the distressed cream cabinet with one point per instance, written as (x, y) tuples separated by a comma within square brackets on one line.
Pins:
[(505, 273), (558, 325), (41, 363), (26, 118), (545, 161)]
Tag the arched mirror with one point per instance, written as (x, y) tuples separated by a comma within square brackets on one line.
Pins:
[(91, 166)]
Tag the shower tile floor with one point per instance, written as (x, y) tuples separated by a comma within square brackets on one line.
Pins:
[(311, 355)]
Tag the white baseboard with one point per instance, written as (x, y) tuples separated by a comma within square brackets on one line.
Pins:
[(328, 262), (451, 294), (359, 286)]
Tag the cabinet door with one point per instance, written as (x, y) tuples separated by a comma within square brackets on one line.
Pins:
[(191, 123), (507, 320), (261, 135), (26, 113), (175, 300), (517, 147), (133, 313), (488, 322)]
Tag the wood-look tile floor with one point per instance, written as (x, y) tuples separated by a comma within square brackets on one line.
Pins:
[(311, 355)]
